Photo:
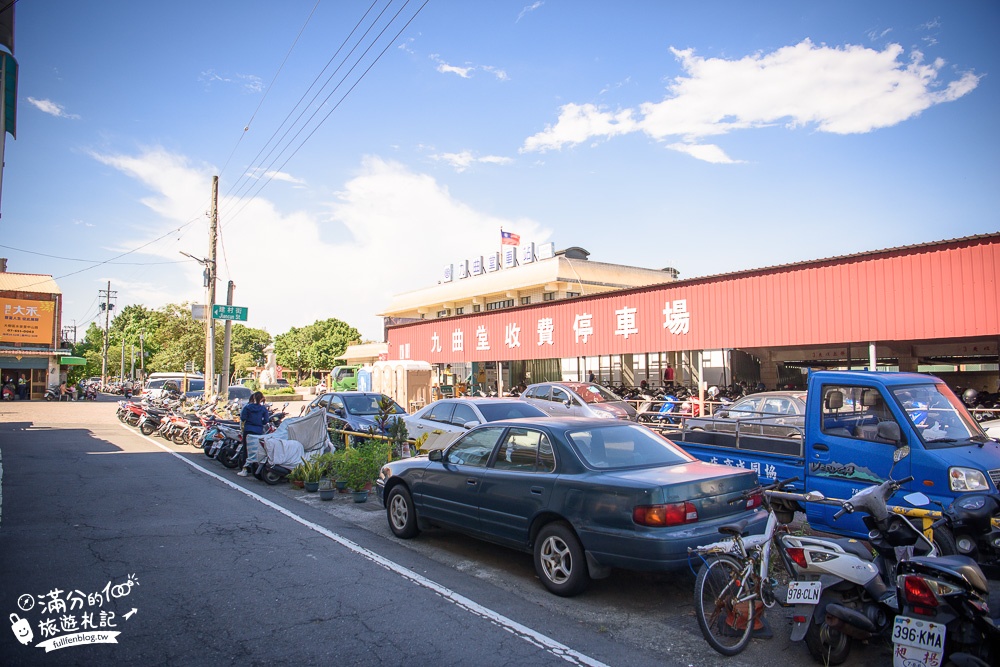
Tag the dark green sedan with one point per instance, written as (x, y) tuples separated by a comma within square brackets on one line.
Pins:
[(584, 495)]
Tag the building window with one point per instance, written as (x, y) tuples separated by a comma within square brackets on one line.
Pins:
[(570, 295), (459, 311), (497, 305), (525, 300), (443, 313), (549, 296), (476, 308)]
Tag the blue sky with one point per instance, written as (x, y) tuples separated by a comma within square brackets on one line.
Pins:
[(710, 137)]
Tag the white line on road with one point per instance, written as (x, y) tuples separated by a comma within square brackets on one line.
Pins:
[(510, 625)]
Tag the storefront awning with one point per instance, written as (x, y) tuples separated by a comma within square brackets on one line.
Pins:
[(72, 361)]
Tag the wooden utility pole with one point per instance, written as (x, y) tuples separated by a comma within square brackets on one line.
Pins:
[(213, 234), (227, 344)]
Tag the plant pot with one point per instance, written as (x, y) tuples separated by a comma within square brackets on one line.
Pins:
[(341, 486), (327, 494), (360, 496), (312, 487), (298, 483)]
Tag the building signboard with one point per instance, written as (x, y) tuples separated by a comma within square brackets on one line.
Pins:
[(26, 321), (509, 258)]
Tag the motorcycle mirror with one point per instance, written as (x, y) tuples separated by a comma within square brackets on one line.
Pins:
[(814, 496), (917, 499), (900, 453)]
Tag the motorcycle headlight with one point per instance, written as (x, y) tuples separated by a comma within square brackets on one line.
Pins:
[(967, 479)]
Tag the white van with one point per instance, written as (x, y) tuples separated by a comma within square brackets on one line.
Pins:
[(159, 384)]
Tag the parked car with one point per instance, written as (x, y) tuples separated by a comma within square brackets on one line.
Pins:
[(992, 428), (353, 410), (583, 495), (778, 414), (236, 391), (445, 420), (578, 399)]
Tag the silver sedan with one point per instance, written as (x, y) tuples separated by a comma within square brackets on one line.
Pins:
[(445, 420)]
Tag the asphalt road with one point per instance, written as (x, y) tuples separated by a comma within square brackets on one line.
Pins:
[(98, 521)]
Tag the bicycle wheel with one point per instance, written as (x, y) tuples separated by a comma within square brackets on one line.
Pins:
[(725, 621)]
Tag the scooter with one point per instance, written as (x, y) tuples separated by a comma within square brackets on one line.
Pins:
[(966, 528), (944, 616), (841, 590)]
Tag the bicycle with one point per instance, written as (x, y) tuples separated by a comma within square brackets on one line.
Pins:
[(734, 583)]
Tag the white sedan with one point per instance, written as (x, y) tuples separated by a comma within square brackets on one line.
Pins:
[(992, 428), (444, 420)]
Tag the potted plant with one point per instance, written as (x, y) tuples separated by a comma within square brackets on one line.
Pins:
[(361, 466), (297, 476), (326, 490), (313, 473)]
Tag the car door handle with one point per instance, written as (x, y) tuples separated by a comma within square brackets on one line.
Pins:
[(537, 490), (471, 481), (821, 448)]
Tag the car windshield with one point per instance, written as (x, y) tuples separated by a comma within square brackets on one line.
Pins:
[(938, 416), (593, 393), (508, 410), (625, 446), (368, 404)]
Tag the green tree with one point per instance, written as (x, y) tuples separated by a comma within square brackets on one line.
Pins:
[(246, 340), (315, 346)]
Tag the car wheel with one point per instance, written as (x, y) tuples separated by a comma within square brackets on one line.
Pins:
[(401, 513), (559, 560)]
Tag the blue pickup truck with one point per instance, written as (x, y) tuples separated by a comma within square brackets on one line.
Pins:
[(854, 421)]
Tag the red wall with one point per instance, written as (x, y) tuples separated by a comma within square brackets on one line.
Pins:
[(935, 291)]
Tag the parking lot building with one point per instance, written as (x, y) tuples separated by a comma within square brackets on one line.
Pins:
[(931, 307)]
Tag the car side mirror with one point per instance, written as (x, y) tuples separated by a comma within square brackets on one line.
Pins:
[(339, 412), (468, 425), (568, 402), (436, 455)]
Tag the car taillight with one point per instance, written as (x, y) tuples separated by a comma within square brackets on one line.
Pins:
[(756, 500), (673, 514), (918, 594), (798, 556)]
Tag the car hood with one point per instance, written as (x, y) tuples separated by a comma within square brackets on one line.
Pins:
[(983, 458), (621, 410)]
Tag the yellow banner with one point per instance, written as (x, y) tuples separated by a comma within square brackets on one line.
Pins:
[(27, 321)]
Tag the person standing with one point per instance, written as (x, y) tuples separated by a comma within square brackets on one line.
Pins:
[(253, 417), (668, 376), (22, 388)]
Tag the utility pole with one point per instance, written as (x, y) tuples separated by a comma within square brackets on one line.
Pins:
[(227, 344), (121, 375), (213, 233), (106, 306), (142, 358)]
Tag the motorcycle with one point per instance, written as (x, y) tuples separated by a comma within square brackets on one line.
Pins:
[(842, 591), (944, 616), (292, 442), (52, 394), (966, 528)]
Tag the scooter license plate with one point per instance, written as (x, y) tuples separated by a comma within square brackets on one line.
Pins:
[(915, 639), (803, 592)]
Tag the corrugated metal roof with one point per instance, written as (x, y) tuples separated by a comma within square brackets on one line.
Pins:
[(28, 282)]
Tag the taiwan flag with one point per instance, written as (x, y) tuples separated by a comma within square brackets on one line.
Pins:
[(509, 238)]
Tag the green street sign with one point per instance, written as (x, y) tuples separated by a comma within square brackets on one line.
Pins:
[(223, 312)]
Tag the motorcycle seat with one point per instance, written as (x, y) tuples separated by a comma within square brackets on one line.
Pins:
[(854, 547), (962, 566)]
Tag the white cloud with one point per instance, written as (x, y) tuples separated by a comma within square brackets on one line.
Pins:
[(384, 231), (847, 90), (51, 108), (706, 152), (259, 173), (530, 8), (250, 83), (462, 161), (578, 123), (467, 72)]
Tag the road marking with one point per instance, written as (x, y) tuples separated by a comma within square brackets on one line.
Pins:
[(508, 624)]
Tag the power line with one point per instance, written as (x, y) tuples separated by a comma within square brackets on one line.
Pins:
[(341, 100), (75, 259)]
